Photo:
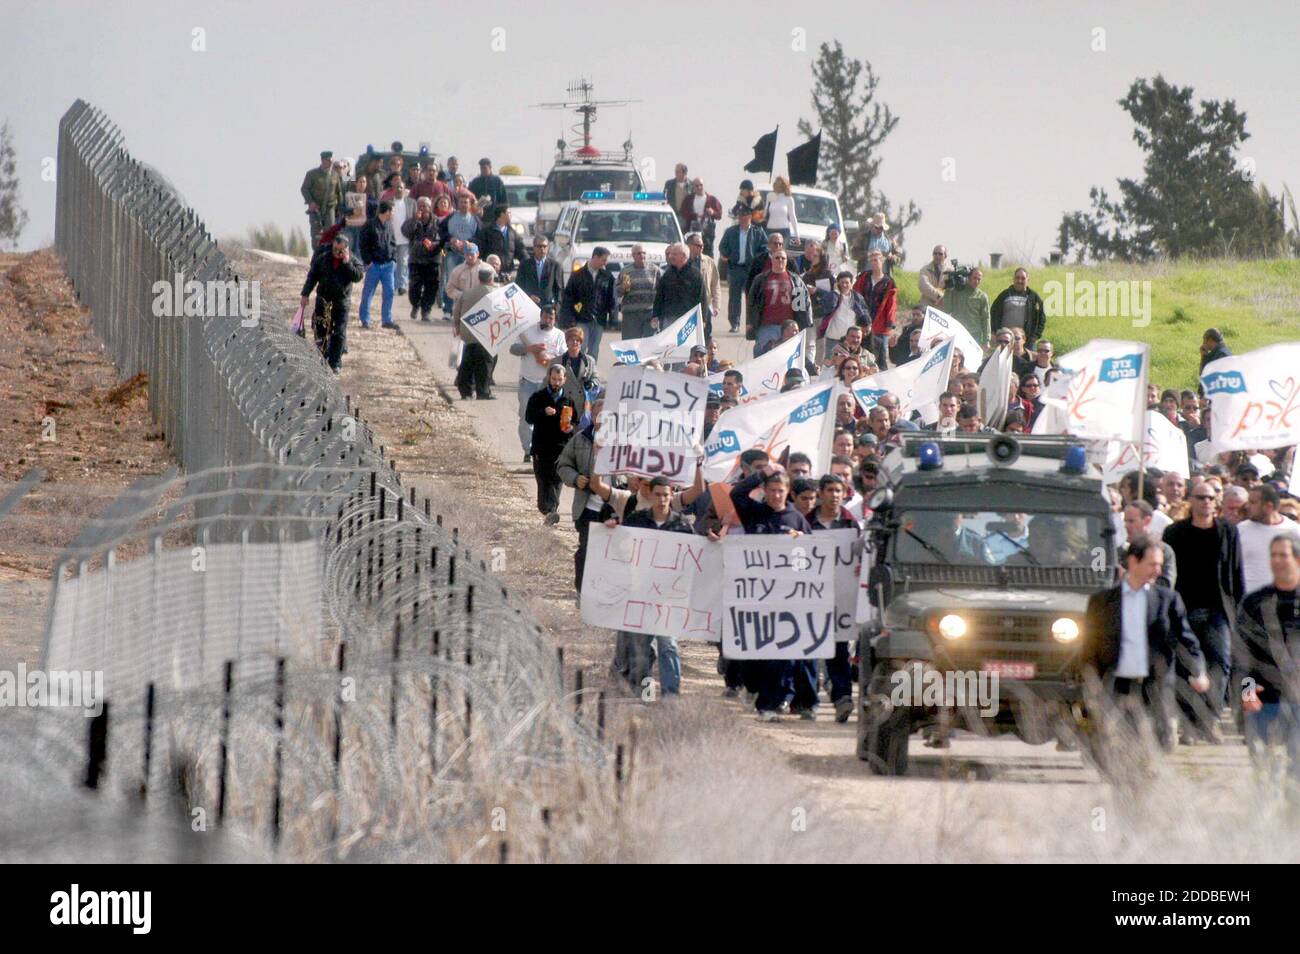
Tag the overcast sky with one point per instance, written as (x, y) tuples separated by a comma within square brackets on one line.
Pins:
[(1013, 92)]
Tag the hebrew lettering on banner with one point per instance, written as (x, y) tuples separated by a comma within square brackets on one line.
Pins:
[(649, 581), (779, 597), (501, 316), (651, 423)]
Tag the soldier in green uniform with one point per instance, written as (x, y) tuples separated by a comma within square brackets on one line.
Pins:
[(322, 190)]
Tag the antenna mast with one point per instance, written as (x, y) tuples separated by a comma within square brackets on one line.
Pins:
[(580, 101)]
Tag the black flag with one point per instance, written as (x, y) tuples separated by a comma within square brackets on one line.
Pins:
[(764, 153), (801, 162)]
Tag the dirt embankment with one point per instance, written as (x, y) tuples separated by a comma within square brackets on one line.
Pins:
[(66, 413)]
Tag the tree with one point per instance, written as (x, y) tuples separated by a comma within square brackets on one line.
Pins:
[(1195, 197), (853, 126), (13, 217), (269, 238)]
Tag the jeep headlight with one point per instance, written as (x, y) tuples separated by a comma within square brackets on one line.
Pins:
[(952, 626), (1065, 630)]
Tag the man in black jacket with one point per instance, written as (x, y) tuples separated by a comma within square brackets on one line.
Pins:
[(589, 300), (426, 246), (332, 276), (489, 184), (680, 289), (503, 241), (1266, 655), (552, 428), (1211, 582), (379, 252), (773, 514), (1136, 634), (539, 276), (739, 249), (1019, 307)]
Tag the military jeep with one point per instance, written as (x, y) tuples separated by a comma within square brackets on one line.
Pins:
[(983, 551)]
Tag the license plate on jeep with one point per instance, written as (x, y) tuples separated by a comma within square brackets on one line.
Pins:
[(1006, 669)]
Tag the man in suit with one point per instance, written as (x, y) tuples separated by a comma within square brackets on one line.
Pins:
[(1136, 632), (539, 276), (741, 245), (502, 240), (589, 300)]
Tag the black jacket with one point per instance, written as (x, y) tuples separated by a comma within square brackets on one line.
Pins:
[(416, 231), (1232, 582), (678, 291), (549, 288), (490, 186), (757, 517), (507, 247), (1267, 649), (594, 294), (378, 247), (1035, 316), (1169, 635), (548, 439), (331, 278), (643, 519), (800, 303)]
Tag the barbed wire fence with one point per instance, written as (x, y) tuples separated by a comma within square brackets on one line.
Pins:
[(295, 651)]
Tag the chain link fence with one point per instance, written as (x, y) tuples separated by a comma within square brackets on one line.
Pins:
[(289, 646)]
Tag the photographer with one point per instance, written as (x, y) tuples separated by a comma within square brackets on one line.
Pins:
[(963, 300)]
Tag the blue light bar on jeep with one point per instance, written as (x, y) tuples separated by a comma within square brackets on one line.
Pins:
[(648, 197), (1076, 461), (929, 457), (596, 196)]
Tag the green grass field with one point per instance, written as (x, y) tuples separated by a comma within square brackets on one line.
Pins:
[(1252, 303)]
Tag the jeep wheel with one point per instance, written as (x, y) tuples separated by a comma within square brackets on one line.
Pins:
[(884, 742)]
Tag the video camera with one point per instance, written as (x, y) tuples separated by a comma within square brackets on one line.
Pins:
[(957, 276)]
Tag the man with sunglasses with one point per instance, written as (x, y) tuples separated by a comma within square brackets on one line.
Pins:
[(1043, 363), (1211, 583)]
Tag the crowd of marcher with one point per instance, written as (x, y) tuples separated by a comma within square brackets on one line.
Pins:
[(1226, 541)]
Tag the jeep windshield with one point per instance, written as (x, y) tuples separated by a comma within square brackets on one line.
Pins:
[(997, 538), (608, 225), (565, 185)]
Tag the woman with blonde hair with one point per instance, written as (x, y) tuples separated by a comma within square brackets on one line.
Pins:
[(779, 212)]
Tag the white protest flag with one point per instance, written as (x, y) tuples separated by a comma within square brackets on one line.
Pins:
[(763, 376), (917, 384), (940, 324), (1164, 447), (778, 597), (500, 316), (671, 345), (995, 388), (651, 424), (1101, 393), (799, 420), (649, 581), (1254, 398)]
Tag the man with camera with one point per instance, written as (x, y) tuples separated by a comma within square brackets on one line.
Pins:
[(963, 299), (930, 278)]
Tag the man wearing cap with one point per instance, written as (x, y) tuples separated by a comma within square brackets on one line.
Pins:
[(332, 276), (878, 240), (740, 246), (589, 300), (538, 347), (488, 184), (322, 190)]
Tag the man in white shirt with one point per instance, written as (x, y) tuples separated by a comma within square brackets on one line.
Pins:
[(537, 347), (1258, 533)]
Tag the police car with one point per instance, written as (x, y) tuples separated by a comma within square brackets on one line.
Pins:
[(617, 221)]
